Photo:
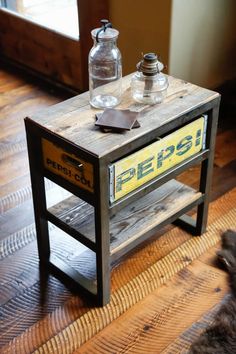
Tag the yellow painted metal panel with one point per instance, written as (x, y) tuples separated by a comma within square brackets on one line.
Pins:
[(67, 165), (156, 158)]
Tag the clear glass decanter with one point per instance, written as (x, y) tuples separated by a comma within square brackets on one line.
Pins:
[(105, 68)]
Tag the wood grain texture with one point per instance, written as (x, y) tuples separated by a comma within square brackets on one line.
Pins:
[(137, 289), (131, 221), (88, 322), (155, 322), (183, 342), (74, 120), (17, 191)]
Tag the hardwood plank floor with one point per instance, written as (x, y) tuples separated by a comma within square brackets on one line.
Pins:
[(35, 313)]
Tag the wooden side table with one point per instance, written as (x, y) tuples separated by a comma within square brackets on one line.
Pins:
[(96, 167)]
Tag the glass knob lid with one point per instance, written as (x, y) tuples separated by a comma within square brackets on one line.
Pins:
[(104, 33)]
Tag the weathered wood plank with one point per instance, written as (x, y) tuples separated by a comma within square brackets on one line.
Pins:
[(182, 343), (18, 190), (152, 324), (139, 217), (22, 216), (13, 186), (24, 290), (133, 220), (23, 213), (78, 125), (13, 166), (12, 147), (24, 302)]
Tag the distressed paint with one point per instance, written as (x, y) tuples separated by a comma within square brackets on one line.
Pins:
[(156, 158), (67, 165)]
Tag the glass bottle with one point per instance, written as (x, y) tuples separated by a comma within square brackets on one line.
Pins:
[(148, 84), (105, 67)]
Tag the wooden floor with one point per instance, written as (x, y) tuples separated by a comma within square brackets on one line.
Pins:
[(41, 317)]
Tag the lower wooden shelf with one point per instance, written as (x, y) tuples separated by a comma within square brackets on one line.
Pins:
[(143, 216), (131, 223)]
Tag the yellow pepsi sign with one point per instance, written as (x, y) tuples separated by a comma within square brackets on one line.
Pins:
[(67, 165), (140, 167)]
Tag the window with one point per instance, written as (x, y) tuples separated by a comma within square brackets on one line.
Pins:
[(34, 38)]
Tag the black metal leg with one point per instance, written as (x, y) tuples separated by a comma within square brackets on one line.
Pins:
[(187, 223), (207, 171), (38, 192), (202, 210), (198, 226), (102, 237)]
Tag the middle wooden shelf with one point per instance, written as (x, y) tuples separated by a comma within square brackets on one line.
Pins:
[(132, 224)]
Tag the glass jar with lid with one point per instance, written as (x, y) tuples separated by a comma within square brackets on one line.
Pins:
[(105, 68), (148, 84)]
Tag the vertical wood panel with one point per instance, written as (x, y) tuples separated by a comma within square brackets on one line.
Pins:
[(40, 49)]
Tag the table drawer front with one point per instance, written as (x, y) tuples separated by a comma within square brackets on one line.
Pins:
[(67, 165), (140, 167)]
